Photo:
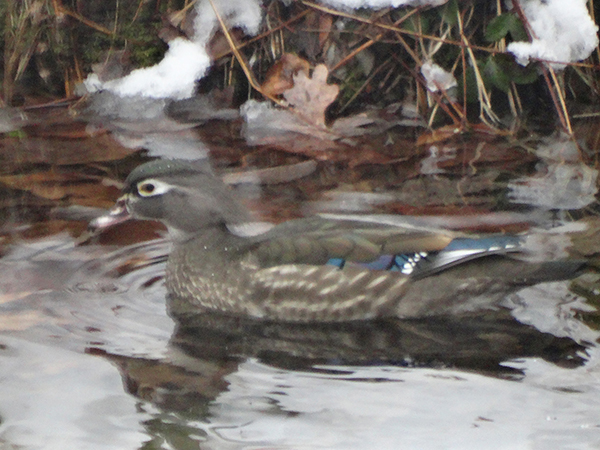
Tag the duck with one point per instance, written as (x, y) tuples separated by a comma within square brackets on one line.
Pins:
[(325, 268)]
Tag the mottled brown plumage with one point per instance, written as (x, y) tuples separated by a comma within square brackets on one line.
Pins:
[(327, 268)]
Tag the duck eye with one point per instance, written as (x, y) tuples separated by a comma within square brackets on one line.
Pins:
[(150, 188), (146, 189)]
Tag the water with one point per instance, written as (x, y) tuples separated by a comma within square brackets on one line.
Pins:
[(89, 358)]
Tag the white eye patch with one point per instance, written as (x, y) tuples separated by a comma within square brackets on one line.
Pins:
[(152, 187)]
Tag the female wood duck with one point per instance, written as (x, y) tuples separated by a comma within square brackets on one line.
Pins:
[(325, 268)]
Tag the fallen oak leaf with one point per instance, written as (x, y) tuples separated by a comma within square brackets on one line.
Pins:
[(265, 124), (299, 128), (355, 125), (280, 76), (311, 96)]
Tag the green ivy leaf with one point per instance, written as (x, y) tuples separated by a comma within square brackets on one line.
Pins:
[(517, 31), (417, 23), (496, 73), (502, 69), (468, 83), (499, 27), (449, 12), (504, 24), (524, 75)]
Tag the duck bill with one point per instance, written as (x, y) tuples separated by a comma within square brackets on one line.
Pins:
[(117, 214)]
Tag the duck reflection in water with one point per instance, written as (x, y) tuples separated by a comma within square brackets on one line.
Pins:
[(320, 293)]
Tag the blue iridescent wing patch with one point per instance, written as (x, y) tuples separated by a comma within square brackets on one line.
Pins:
[(405, 263), (460, 250)]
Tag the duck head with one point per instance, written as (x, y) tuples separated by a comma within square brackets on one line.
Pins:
[(184, 195)]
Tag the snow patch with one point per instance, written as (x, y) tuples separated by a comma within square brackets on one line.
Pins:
[(380, 4), (437, 78), (185, 61), (563, 32)]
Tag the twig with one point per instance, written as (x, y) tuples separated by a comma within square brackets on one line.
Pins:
[(417, 76), (484, 98), (89, 23), (558, 98), (238, 56), (389, 27), (181, 12), (369, 43), (362, 87), (263, 35)]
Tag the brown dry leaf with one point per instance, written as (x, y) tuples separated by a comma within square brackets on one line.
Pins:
[(79, 189), (316, 147), (310, 97), (449, 131), (438, 135), (470, 156), (280, 77), (329, 150), (353, 125), (266, 125), (325, 25), (367, 155), (52, 227), (15, 152), (218, 46)]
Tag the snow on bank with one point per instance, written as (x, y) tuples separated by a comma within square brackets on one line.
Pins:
[(380, 4), (173, 77), (437, 79), (185, 61), (563, 32)]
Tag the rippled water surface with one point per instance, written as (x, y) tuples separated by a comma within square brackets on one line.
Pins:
[(90, 358)]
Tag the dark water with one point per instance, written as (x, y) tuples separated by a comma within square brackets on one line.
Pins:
[(91, 360)]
